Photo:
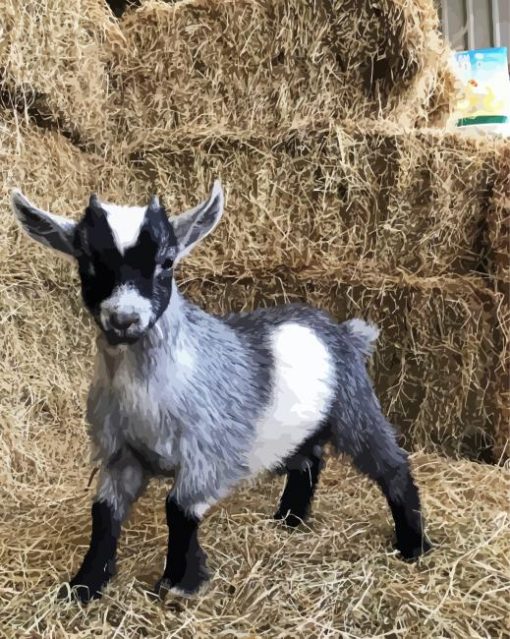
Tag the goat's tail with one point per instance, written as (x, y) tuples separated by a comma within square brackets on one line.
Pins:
[(363, 334)]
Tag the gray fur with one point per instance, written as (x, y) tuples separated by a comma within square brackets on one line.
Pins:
[(200, 424), (195, 422)]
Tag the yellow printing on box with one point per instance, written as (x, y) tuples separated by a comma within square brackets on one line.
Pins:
[(483, 74)]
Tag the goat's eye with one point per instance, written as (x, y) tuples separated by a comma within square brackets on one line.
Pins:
[(167, 264)]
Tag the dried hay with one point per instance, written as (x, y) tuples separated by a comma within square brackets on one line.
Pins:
[(358, 219), (338, 577), (499, 268), (54, 62), (41, 347), (395, 199), (240, 64), (223, 63), (437, 368), (499, 222)]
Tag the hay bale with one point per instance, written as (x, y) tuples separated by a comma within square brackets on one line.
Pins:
[(400, 200), (338, 577), (498, 223), (53, 63), (192, 65), (54, 173), (42, 348), (240, 65), (441, 335), (39, 293)]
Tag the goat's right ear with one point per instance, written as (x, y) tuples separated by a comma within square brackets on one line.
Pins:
[(51, 230)]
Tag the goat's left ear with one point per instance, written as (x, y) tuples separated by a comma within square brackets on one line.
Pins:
[(51, 230), (192, 226)]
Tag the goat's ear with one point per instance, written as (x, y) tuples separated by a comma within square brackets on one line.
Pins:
[(192, 226), (51, 230)]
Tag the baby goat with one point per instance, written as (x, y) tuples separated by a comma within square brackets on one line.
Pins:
[(210, 401)]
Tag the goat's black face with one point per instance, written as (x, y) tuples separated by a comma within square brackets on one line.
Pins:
[(125, 257)]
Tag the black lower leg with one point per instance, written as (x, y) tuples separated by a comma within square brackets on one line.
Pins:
[(186, 561), (404, 501), (297, 496), (99, 563), (302, 477)]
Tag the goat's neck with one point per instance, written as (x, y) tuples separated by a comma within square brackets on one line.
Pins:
[(173, 324)]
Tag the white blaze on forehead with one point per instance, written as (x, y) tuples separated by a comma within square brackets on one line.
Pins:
[(126, 299), (125, 223), (303, 386)]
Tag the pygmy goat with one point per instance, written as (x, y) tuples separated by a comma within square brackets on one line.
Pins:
[(206, 400)]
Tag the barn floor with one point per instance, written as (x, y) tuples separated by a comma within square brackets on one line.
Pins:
[(338, 578)]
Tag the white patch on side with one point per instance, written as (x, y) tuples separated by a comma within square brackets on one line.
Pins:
[(125, 223), (302, 394), (126, 299), (369, 331)]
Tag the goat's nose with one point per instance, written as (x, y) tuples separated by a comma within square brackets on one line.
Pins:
[(123, 321)]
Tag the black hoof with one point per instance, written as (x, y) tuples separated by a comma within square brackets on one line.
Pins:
[(288, 519), (79, 592), (85, 587), (190, 584), (411, 552)]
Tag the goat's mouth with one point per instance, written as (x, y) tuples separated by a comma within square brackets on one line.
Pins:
[(117, 338)]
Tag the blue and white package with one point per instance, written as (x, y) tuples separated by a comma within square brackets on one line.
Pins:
[(485, 86)]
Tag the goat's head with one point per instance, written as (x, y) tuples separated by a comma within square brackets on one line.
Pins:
[(125, 255)]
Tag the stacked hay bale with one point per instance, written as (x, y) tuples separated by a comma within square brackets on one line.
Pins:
[(231, 65), (309, 114), (54, 56), (44, 349), (244, 65), (499, 268)]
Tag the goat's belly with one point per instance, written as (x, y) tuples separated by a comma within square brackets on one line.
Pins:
[(302, 393)]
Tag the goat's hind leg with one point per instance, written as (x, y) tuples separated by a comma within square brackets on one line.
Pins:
[(397, 485), (303, 470), (372, 444)]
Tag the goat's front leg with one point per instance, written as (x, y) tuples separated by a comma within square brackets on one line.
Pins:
[(121, 482), (185, 570)]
